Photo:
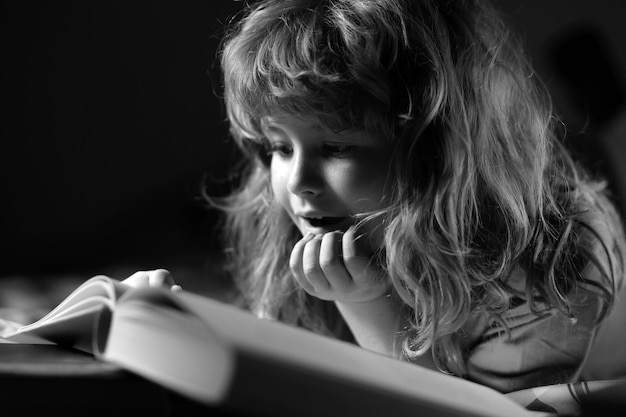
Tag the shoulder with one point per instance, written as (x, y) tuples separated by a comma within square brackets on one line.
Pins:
[(602, 243), (531, 344)]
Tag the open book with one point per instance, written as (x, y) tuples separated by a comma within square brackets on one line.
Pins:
[(215, 353)]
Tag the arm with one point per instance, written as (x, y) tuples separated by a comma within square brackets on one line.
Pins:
[(337, 267), (375, 324)]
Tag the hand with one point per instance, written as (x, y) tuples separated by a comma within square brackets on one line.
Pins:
[(338, 266), (160, 278)]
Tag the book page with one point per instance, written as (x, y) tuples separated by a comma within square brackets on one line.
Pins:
[(71, 322), (198, 346), (306, 352), (149, 334)]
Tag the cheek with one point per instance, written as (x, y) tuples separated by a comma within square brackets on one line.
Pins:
[(366, 195), (278, 181), (364, 187)]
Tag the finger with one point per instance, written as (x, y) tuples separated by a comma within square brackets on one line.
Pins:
[(356, 248), (362, 234), (331, 262), (295, 263), (311, 264), (161, 278), (375, 229), (138, 279)]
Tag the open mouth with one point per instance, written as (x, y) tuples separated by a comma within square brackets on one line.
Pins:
[(323, 221)]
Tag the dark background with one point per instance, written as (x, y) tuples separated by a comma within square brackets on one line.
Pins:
[(111, 117), (111, 120)]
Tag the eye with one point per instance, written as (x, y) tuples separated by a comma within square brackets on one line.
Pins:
[(279, 148), (338, 149)]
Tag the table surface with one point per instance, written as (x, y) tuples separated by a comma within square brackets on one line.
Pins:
[(48, 379)]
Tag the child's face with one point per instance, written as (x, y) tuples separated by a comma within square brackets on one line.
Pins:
[(323, 178)]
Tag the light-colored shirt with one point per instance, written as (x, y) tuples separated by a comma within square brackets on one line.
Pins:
[(523, 349)]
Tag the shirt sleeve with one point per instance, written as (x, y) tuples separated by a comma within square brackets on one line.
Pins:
[(522, 349)]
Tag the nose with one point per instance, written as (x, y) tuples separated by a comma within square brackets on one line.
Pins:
[(305, 177)]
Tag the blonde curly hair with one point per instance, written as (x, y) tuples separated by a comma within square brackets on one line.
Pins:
[(480, 184)]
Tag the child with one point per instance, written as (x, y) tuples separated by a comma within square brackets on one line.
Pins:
[(406, 189)]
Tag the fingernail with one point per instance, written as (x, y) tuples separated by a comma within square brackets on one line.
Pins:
[(177, 288)]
